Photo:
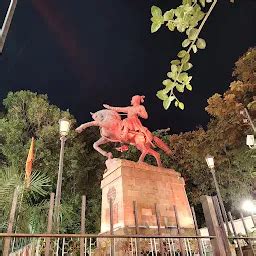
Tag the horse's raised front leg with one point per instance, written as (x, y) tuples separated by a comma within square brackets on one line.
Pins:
[(86, 125), (101, 151)]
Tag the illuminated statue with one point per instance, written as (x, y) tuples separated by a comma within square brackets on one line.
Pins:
[(127, 131), (132, 122)]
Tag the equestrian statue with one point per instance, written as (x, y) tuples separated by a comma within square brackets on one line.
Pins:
[(127, 131)]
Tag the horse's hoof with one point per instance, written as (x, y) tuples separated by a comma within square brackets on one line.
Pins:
[(78, 130)]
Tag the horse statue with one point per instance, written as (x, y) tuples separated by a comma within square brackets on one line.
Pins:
[(128, 131)]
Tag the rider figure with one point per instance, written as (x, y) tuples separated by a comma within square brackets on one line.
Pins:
[(132, 122)]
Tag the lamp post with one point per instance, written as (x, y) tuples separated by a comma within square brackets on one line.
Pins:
[(210, 162), (248, 119), (250, 139), (64, 126)]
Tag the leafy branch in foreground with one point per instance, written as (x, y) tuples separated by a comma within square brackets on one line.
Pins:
[(186, 19)]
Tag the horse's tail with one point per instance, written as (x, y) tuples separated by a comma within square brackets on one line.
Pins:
[(162, 145)]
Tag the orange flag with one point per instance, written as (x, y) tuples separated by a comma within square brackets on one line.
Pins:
[(29, 163)]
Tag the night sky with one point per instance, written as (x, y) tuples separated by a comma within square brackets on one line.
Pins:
[(85, 53)]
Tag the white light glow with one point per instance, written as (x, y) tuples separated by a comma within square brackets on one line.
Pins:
[(210, 161), (64, 127), (250, 140), (249, 206)]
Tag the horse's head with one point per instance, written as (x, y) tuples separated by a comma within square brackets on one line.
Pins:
[(105, 116), (97, 116)]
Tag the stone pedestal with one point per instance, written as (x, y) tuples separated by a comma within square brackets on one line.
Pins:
[(126, 181)]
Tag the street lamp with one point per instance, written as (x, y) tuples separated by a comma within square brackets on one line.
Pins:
[(64, 127), (250, 141), (210, 162)]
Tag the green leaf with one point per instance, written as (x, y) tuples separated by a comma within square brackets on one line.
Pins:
[(200, 43), (186, 58), (39, 184), (167, 82), (169, 15), (169, 86), (187, 79), (184, 2), (180, 87), (178, 12), (189, 87), (175, 62), (183, 76), (187, 66), (182, 53), (202, 2), (174, 68), (167, 102), (172, 75), (176, 103), (194, 48), (170, 25), (181, 105), (162, 95), (181, 27), (156, 11), (186, 43), (188, 31), (193, 34), (155, 26)]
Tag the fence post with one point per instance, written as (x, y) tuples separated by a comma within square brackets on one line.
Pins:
[(7, 240), (247, 232), (213, 226), (159, 229), (235, 233), (135, 212), (253, 220), (49, 225), (112, 245), (183, 251), (197, 232), (83, 209)]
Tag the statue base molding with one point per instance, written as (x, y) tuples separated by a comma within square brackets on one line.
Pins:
[(126, 181)]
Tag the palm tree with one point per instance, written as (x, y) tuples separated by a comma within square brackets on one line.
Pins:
[(32, 208)]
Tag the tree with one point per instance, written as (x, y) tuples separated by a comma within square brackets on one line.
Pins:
[(225, 139), (245, 67), (29, 114), (26, 209)]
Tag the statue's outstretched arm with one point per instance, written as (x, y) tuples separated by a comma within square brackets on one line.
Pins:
[(86, 125), (117, 109)]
